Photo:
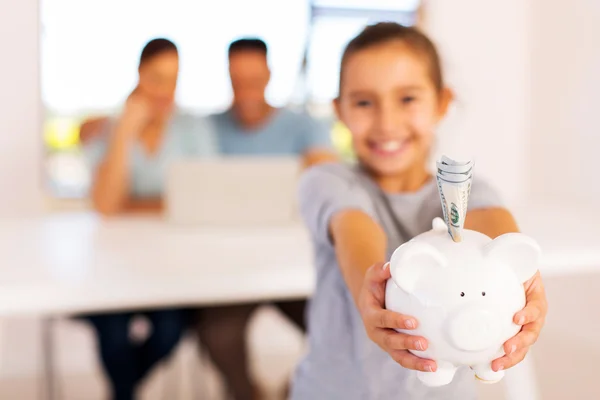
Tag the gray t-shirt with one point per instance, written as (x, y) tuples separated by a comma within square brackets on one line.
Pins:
[(342, 363)]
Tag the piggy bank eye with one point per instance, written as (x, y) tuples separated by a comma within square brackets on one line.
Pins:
[(483, 293), (462, 294)]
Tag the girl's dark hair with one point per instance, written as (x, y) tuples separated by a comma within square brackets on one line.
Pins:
[(156, 47), (384, 32)]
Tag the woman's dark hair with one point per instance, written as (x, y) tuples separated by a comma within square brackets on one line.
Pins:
[(156, 47), (245, 44), (413, 38)]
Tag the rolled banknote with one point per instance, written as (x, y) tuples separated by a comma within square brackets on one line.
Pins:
[(454, 185)]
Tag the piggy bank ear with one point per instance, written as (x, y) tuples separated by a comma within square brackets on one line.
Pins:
[(518, 251), (413, 260)]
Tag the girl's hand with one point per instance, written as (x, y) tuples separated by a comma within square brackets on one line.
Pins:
[(531, 318), (380, 323)]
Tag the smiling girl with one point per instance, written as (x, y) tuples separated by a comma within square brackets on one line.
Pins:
[(392, 97)]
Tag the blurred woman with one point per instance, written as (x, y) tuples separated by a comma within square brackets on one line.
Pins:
[(128, 156)]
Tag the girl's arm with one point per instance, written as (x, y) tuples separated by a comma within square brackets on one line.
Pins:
[(359, 242), (492, 222), (360, 246)]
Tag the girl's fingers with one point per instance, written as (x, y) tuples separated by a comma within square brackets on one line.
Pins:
[(410, 361), (382, 318), (509, 360), (390, 340), (532, 311), (378, 273), (524, 339)]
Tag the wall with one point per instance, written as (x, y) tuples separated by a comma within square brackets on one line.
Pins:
[(525, 74), (20, 110), (566, 83), (20, 150), (484, 47)]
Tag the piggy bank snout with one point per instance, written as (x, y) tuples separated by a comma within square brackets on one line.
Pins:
[(474, 329)]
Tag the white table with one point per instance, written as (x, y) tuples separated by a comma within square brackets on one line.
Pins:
[(72, 263), (67, 264), (77, 262)]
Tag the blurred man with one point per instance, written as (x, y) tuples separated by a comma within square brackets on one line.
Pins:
[(251, 126)]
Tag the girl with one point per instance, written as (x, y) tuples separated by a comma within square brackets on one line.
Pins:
[(391, 98), (128, 157)]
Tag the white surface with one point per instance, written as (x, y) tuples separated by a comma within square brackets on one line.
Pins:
[(78, 262), (434, 270), (486, 58), (276, 348), (565, 89), (442, 284), (233, 191), (569, 235), (20, 109)]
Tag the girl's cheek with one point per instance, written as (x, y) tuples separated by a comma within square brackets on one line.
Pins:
[(359, 127), (422, 123)]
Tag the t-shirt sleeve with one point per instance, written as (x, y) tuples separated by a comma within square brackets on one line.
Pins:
[(325, 190), (314, 134), (484, 195)]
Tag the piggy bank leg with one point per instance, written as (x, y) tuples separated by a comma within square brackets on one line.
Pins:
[(442, 376), (485, 373)]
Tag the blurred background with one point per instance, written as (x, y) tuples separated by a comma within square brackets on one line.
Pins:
[(525, 74), (88, 70)]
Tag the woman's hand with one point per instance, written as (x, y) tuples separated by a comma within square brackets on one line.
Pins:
[(532, 318), (136, 113), (380, 323), (91, 128)]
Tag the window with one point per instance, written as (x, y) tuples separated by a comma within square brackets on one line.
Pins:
[(89, 63)]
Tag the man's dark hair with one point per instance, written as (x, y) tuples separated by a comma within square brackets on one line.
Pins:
[(248, 44)]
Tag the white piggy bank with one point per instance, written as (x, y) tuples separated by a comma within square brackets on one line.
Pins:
[(464, 296)]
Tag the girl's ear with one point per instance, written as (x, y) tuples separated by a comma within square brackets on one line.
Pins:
[(446, 97), (336, 108)]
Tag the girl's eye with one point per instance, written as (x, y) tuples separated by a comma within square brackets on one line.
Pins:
[(407, 99), (363, 103)]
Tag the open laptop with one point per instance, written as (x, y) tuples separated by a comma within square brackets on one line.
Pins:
[(233, 191)]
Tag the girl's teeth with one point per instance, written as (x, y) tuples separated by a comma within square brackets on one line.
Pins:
[(390, 146)]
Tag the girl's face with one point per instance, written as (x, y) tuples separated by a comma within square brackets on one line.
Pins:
[(390, 104)]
